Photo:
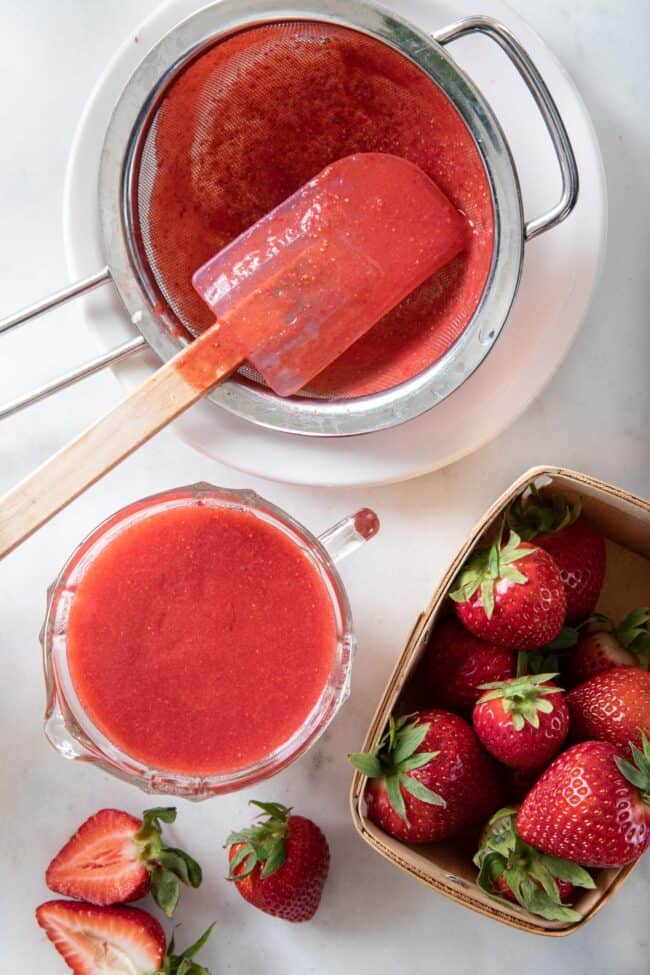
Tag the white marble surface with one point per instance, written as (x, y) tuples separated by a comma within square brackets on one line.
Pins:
[(592, 416)]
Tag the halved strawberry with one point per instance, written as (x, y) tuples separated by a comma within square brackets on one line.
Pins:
[(114, 858), (114, 940), (573, 541), (511, 869)]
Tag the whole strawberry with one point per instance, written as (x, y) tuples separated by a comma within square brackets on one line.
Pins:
[(523, 721), (512, 870), (573, 541), (114, 940), (457, 663), (591, 806), (606, 645), (511, 594), (613, 706), (280, 865), (114, 858), (429, 778)]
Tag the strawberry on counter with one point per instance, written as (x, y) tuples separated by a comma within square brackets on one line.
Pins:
[(114, 941), (280, 865), (114, 858)]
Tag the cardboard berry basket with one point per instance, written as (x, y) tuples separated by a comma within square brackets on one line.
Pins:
[(447, 867)]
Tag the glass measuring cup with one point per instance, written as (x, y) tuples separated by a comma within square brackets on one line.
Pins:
[(69, 727)]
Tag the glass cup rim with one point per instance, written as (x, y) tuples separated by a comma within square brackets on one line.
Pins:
[(70, 729)]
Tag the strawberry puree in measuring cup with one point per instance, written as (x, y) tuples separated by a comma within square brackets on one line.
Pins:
[(199, 640)]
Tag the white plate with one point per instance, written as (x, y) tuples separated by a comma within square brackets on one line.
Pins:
[(560, 271)]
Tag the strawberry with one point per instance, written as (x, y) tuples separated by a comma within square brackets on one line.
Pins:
[(591, 806), (456, 663), (114, 940), (613, 706), (606, 645), (573, 541), (512, 870), (511, 594), (280, 865), (428, 778), (523, 721), (114, 857)]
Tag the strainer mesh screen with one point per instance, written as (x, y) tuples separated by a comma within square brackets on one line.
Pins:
[(259, 114)]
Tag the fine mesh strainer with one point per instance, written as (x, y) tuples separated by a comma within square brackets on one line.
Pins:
[(242, 103)]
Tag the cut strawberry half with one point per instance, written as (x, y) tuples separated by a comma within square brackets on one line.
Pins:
[(114, 858), (114, 940)]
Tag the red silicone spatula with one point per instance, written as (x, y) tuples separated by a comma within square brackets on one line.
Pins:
[(290, 295), (313, 275)]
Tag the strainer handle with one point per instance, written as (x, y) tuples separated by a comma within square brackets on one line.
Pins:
[(545, 103), (79, 372), (54, 300), (65, 379)]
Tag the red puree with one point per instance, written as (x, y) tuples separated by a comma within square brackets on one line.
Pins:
[(257, 117), (200, 639)]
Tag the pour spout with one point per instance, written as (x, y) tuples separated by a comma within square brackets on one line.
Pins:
[(347, 535)]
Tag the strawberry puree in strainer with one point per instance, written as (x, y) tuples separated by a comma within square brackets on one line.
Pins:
[(259, 115)]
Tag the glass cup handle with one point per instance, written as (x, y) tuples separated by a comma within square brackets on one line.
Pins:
[(347, 535)]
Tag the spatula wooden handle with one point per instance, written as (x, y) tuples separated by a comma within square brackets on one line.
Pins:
[(169, 391)]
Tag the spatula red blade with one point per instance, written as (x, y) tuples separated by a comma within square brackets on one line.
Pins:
[(313, 275)]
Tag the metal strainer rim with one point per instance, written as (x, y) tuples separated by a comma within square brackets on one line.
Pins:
[(125, 137)]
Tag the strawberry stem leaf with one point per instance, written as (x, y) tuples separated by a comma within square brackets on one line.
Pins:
[(420, 791), (368, 764), (522, 697), (168, 867), (183, 964), (486, 567), (395, 757), (395, 796), (638, 771), (633, 633), (531, 876), (533, 513), (262, 844)]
